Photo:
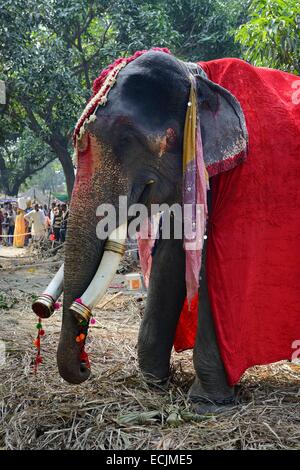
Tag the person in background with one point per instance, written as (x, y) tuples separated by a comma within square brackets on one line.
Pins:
[(64, 222), (53, 205), (20, 229), (37, 218), (57, 223), (28, 222), (5, 228), (1, 220), (12, 220), (47, 224), (45, 209)]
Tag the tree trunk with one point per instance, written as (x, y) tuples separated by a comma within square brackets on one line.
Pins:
[(60, 146), (67, 164), (16, 186), (4, 179)]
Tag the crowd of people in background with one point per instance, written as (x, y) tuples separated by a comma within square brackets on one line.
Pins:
[(20, 226)]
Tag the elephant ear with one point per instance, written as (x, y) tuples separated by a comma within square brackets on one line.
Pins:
[(223, 127)]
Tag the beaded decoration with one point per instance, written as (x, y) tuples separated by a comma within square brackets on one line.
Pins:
[(101, 88), (80, 339), (37, 344)]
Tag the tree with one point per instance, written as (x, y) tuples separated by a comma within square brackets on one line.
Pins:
[(206, 28), (192, 29), (46, 67), (22, 158), (271, 37)]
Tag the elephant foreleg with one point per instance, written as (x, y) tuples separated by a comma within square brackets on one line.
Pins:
[(166, 295), (210, 390)]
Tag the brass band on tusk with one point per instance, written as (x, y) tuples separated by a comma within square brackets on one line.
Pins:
[(81, 312), (116, 247), (43, 306)]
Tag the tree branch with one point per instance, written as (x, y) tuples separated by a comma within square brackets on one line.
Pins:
[(84, 63), (96, 53), (34, 125), (32, 172)]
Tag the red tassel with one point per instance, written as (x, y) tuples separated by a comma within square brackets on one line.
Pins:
[(85, 358)]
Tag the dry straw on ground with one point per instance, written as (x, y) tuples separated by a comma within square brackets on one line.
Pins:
[(116, 409)]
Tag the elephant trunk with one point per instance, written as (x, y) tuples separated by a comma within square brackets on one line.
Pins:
[(98, 181), (83, 253), (88, 286)]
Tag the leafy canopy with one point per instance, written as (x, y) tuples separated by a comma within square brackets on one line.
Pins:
[(271, 37)]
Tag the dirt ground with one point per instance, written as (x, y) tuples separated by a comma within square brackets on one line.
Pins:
[(115, 408)]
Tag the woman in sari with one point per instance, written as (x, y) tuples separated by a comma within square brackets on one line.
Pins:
[(20, 229)]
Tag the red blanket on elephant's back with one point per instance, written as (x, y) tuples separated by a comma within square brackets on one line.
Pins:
[(253, 257)]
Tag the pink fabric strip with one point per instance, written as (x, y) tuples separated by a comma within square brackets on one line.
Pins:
[(195, 185)]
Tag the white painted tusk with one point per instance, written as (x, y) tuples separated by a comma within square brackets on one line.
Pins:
[(113, 251), (43, 306)]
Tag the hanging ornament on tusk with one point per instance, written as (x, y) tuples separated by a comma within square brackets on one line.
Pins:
[(46, 303), (114, 249)]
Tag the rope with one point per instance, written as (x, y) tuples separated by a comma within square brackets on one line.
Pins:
[(21, 235)]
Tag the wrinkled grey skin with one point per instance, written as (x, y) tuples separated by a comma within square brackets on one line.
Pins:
[(150, 96)]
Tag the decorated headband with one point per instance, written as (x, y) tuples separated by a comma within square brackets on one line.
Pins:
[(101, 88)]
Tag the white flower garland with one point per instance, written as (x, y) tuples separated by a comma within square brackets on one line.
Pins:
[(100, 99)]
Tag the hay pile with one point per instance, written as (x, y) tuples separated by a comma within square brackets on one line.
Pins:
[(116, 409)]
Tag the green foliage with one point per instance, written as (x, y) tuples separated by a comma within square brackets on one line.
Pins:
[(47, 70), (271, 37), (141, 25), (206, 28)]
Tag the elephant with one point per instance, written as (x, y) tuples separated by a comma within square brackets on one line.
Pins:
[(135, 154)]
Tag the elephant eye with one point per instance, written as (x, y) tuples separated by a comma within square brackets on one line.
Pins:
[(126, 137), (122, 142)]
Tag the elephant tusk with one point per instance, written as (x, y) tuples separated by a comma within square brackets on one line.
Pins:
[(114, 249), (44, 305)]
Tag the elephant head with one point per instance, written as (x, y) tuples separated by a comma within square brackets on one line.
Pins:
[(136, 139)]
